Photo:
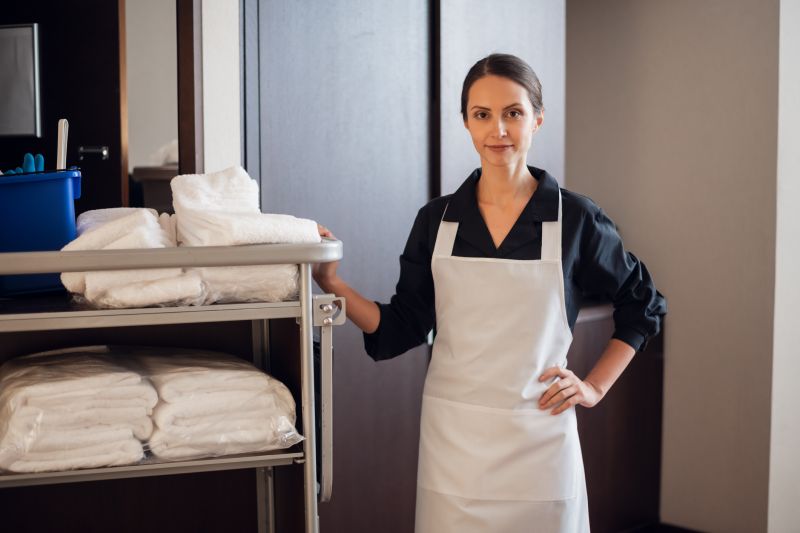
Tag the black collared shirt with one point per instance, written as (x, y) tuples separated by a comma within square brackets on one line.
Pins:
[(594, 261)]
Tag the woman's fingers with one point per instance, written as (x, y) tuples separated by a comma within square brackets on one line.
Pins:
[(324, 232), (569, 402), (559, 395)]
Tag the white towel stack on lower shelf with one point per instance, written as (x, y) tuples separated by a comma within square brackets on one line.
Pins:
[(69, 409), (213, 404)]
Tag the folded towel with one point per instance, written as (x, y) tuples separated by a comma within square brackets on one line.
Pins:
[(58, 372), (179, 376), (218, 228), (139, 395), (95, 218), (183, 289), (66, 440), (278, 433), (124, 452), (203, 408), (268, 283), (31, 423), (138, 229), (230, 190), (105, 234)]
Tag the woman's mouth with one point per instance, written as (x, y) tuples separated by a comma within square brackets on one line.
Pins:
[(499, 147)]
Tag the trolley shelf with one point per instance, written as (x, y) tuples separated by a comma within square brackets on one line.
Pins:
[(18, 315), (228, 462)]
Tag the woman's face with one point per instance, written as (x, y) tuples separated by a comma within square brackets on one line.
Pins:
[(501, 121)]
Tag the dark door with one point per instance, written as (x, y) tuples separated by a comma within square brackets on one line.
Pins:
[(344, 139), (82, 79)]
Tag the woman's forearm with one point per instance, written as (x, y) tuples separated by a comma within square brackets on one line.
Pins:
[(608, 368), (362, 312)]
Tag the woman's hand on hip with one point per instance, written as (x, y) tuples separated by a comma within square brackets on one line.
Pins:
[(567, 391), (325, 273)]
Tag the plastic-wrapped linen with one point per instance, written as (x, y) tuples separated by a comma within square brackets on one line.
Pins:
[(69, 409), (130, 228), (213, 404)]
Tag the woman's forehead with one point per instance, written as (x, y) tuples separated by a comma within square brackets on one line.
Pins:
[(496, 92)]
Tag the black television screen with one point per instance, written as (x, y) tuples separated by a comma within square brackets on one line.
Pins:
[(19, 82)]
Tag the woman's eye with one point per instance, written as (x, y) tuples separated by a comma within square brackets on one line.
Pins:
[(514, 114), (480, 115)]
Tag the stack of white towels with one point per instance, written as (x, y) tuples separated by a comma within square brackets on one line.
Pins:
[(98, 406), (212, 404), (130, 228), (218, 209), (64, 410)]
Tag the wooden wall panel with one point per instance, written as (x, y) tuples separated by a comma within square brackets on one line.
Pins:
[(344, 111)]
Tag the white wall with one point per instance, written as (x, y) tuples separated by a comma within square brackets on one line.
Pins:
[(784, 511), (152, 69), (672, 128), (221, 88), (472, 29)]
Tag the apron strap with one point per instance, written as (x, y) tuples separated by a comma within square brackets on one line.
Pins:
[(445, 237), (551, 237)]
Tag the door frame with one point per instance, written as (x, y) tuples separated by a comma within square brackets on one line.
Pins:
[(190, 86)]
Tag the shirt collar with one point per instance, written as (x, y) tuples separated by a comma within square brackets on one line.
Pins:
[(542, 207)]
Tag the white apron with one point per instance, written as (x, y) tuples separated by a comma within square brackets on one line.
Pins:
[(491, 461)]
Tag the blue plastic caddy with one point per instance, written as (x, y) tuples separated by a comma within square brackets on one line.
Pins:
[(37, 212)]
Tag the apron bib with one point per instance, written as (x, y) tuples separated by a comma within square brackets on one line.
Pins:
[(489, 459)]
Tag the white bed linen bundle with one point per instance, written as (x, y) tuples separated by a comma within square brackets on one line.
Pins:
[(130, 228), (213, 404), (68, 409), (222, 209), (216, 209)]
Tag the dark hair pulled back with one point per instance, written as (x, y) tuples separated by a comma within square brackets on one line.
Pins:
[(506, 66)]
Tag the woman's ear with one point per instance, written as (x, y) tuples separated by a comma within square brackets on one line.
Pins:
[(538, 122)]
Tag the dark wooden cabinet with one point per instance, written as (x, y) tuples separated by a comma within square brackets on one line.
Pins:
[(621, 436)]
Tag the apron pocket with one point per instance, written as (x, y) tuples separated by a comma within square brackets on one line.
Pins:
[(497, 454)]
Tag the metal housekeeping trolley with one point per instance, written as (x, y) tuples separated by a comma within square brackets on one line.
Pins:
[(310, 311)]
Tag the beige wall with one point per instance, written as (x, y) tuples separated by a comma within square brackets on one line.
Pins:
[(222, 146), (672, 128), (152, 71), (784, 511)]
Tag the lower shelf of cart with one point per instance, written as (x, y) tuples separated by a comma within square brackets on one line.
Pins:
[(228, 462), (59, 311)]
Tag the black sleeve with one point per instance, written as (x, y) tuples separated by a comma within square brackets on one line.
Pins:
[(606, 271), (410, 315)]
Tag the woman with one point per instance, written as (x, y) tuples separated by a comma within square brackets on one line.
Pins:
[(500, 267)]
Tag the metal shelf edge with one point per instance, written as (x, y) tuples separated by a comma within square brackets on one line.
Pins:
[(144, 470), (183, 256)]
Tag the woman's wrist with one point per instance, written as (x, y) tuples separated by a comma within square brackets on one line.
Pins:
[(331, 284)]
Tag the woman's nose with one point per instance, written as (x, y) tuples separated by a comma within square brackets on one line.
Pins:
[(500, 128)]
